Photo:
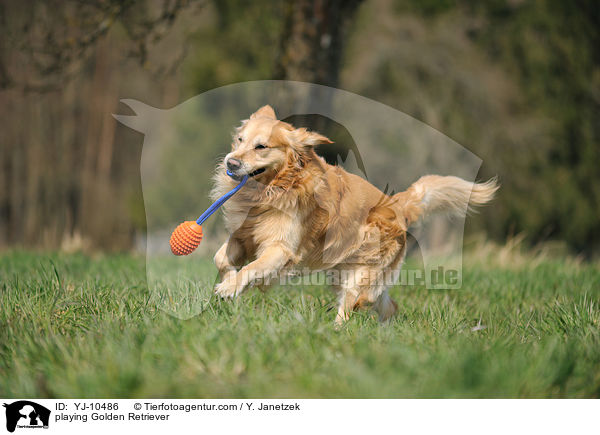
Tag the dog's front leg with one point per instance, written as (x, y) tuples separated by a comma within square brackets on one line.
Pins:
[(230, 257), (266, 266)]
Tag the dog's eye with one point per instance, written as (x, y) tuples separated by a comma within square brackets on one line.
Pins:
[(239, 138), (259, 147)]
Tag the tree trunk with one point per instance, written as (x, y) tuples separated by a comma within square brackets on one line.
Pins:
[(312, 41), (311, 51)]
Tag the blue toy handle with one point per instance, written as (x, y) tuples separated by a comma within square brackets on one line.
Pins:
[(219, 202)]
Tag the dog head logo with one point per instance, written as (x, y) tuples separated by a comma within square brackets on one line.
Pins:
[(26, 414)]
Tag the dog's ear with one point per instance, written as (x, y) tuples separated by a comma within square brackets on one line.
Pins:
[(309, 138), (264, 112)]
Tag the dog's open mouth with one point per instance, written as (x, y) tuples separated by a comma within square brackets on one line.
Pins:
[(250, 175), (257, 172)]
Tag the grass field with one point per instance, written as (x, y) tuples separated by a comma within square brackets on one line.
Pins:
[(76, 326)]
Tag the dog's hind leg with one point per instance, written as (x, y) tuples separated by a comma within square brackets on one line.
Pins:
[(346, 303), (385, 307), (368, 287), (351, 291)]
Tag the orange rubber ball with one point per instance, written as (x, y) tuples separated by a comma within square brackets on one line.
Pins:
[(185, 238)]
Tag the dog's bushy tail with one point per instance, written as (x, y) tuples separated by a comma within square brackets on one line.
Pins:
[(438, 194)]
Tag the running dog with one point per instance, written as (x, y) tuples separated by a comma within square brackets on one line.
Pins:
[(297, 211)]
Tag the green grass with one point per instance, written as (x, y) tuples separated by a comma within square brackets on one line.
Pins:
[(75, 326)]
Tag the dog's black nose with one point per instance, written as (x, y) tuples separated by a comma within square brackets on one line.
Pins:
[(233, 164)]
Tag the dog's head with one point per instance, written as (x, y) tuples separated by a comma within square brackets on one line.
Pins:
[(263, 146)]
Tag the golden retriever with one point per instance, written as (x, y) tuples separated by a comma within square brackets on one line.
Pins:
[(297, 211)]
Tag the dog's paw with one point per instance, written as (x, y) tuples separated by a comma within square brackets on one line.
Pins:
[(227, 289)]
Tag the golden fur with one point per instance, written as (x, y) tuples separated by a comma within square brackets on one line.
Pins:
[(304, 213)]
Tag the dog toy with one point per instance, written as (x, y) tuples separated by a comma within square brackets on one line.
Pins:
[(188, 235)]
